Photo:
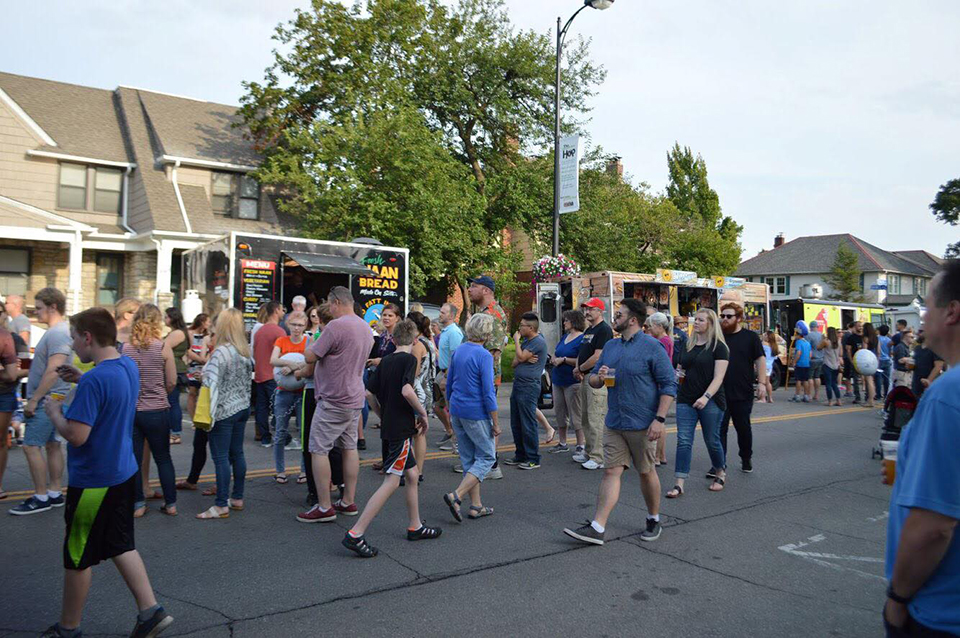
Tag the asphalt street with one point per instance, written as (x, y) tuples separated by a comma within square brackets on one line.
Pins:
[(793, 549)]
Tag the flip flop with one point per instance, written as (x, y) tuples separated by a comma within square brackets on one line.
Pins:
[(717, 481), (679, 491), (479, 512), (143, 512), (282, 480), (3, 495), (156, 496), (209, 491), (212, 513), (301, 479), (553, 437), (163, 508), (235, 508), (184, 485), (454, 505)]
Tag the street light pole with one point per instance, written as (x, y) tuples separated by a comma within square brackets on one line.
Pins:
[(561, 35)]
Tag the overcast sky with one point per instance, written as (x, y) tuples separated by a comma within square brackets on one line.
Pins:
[(814, 117)]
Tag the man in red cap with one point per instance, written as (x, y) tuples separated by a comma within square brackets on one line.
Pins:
[(593, 401)]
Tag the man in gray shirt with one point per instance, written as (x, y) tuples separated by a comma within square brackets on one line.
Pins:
[(54, 349), (19, 323), (528, 364), (815, 337)]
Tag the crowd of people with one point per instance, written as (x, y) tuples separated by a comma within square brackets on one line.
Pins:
[(110, 384)]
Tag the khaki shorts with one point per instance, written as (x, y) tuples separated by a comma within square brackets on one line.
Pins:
[(334, 426), (440, 390), (629, 447)]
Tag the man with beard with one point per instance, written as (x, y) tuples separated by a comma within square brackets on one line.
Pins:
[(747, 361), (641, 386)]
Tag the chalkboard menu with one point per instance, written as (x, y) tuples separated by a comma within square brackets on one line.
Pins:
[(258, 284)]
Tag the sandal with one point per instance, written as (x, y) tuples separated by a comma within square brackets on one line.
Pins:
[(301, 479), (454, 505), (280, 478), (676, 488), (156, 496), (209, 491), (169, 511), (213, 513), (553, 437), (175, 440), (3, 495), (140, 513), (479, 512), (717, 481), (186, 485), (377, 466), (232, 504)]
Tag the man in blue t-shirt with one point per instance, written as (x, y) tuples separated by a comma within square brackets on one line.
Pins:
[(801, 363), (923, 546), (528, 364), (99, 428)]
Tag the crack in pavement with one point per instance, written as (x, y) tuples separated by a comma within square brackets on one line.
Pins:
[(193, 604)]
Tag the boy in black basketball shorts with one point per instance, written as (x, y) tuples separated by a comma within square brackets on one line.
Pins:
[(99, 428), (391, 395)]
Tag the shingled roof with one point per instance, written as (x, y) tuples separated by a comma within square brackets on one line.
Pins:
[(922, 258), (815, 254)]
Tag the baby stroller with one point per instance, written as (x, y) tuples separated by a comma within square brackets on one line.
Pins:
[(900, 405)]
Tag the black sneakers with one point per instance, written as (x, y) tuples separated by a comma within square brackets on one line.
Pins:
[(151, 627), (746, 466), (652, 532), (424, 533), (585, 534), (359, 545)]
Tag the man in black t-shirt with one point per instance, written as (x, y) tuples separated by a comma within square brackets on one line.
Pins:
[(593, 402), (391, 395), (927, 366), (747, 362), (851, 343)]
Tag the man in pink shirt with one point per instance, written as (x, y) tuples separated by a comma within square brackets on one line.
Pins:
[(264, 385), (339, 355)]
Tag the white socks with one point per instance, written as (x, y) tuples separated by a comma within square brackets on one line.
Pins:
[(597, 526)]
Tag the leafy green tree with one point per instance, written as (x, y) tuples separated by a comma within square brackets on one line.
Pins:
[(844, 276), (410, 121), (946, 208)]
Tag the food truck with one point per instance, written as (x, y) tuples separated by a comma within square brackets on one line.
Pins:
[(834, 314), (246, 270), (677, 293)]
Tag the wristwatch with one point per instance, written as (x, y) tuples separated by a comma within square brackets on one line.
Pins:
[(708, 395), (892, 595), (659, 419)]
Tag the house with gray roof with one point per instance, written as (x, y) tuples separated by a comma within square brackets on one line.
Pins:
[(102, 190), (791, 265)]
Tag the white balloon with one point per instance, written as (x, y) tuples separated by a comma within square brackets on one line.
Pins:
[(865, 362), (288, 381)]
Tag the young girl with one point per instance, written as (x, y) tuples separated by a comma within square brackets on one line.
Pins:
[(771, 350)]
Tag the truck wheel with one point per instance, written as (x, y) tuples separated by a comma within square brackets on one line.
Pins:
[(776, 377)]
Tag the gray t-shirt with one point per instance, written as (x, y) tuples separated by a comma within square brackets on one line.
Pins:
[(530, 372), (19, 324), (815, 338), (55, 341)]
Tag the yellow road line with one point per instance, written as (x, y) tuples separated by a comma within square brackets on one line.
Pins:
[(212, 478)]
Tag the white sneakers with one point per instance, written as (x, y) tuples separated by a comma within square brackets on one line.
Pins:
[(592, 465)]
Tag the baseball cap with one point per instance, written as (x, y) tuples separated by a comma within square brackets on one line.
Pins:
[(802, 328), (594, 302), (483, 280)]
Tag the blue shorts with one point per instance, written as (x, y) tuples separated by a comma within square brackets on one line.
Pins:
[(40, 429), (801, 374), (8, 402)]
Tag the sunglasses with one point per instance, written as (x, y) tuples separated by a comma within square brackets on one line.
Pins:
[(728, 316)]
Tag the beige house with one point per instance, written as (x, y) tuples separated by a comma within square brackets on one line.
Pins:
[(101, 191)]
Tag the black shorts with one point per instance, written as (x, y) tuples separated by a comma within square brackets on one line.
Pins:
[(801, 374), (398, 456), (99, 524)]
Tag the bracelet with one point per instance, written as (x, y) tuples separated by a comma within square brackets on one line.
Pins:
[(892, 595)]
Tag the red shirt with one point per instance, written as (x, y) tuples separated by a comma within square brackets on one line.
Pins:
[(263, 342)]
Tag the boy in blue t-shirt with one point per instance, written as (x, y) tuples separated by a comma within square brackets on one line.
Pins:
[(98, 426), (801, 365)]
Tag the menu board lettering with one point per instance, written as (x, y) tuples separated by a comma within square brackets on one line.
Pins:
[(258, 283)]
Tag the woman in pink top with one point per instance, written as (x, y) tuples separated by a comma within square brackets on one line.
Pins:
[(158, 377), (660, 327)]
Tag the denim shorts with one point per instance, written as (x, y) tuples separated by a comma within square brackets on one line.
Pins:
[(8, 402), (40, 429)]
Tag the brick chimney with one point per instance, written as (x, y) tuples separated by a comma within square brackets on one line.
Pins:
[(615, 166), (778, 241)]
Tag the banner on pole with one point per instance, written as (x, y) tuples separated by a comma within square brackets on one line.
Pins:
[(570, 174)]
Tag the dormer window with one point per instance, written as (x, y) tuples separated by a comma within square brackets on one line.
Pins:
[(235, 195)]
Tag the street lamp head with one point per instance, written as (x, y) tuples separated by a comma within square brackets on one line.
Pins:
[(599, 4)]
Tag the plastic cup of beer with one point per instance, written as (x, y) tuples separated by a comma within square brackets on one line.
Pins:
[(610, 379), (911, 363), (889, 449), (58, 396), (681, 374)]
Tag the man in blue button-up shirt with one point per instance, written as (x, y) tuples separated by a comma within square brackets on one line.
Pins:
[(641, 385)]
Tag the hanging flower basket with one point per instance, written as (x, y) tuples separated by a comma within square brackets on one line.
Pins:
[(549, 267)]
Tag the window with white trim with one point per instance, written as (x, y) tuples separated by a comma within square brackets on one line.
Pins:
[(235, 195), (14, 270), (777, 285), (108, 184), (73, 187), (893, 284)]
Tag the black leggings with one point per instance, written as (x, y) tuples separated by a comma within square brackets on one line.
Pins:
[(308, 407), (199, 455)]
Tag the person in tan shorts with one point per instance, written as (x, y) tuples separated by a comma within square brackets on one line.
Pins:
[(638, 376)]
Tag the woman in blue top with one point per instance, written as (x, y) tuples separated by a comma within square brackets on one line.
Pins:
[(566, 389), (473, 410)]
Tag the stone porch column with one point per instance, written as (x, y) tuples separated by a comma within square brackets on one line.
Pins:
[(164, 295), (75, 273)]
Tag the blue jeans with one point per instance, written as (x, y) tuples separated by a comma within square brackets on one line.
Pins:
[(830, 383), (882, 378), (709, 417), (154, 427), (176, 412), (475, 442), (285, 405), (523, 420), (226, 448), (264, 395)]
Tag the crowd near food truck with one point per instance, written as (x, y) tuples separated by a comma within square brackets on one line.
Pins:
[(244, 270), (834, 314), (677, 293)]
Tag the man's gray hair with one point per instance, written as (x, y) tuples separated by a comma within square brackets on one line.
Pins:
[(450, 308), (479, 328), (341, 295), (299, 300)]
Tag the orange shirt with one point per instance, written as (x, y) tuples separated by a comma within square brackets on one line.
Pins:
[(287, 346)]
